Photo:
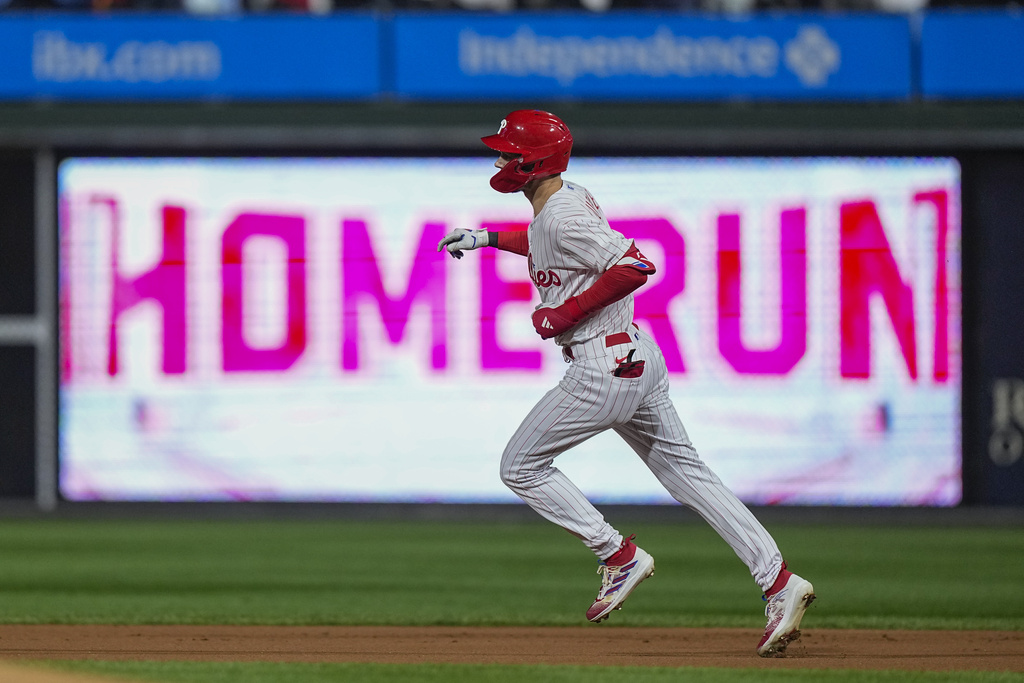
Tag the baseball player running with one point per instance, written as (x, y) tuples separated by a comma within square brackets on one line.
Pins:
[(586, 273)]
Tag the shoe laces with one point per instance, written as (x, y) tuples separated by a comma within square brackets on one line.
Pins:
[(608, 575)]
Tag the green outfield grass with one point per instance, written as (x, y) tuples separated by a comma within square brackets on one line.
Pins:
[(261, 672), (342, 572)]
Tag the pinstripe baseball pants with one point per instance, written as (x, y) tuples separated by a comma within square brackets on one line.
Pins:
[(589, 400)]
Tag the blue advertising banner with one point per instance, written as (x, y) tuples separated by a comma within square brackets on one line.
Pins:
[(189, 58), (972, 54), (630, 56)]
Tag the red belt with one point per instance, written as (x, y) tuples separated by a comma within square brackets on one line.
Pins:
[(617, 338), (610, 340)]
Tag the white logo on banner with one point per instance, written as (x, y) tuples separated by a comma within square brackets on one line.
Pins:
[(812, 56), (566, 58), (56, 58)]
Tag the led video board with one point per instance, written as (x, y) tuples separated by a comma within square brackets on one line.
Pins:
[(283, 329)]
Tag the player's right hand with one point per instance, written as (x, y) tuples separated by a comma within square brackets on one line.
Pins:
[(460, 240)]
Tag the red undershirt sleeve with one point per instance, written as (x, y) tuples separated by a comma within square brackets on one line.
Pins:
[(625, 277), (616, 283), (515, 241)]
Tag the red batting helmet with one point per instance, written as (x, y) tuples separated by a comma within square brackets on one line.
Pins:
[(542, 141)]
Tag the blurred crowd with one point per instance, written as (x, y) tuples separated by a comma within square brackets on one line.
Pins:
[(727, 7)]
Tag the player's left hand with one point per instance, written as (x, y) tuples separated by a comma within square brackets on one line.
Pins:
[(460, 240), (551, 322)]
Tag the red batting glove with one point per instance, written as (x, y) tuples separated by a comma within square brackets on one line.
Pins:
[(551, 322)]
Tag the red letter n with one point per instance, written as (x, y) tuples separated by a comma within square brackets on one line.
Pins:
[(867, 267)]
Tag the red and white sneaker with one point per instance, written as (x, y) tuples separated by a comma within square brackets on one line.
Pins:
[(785, 609), (620, 574)]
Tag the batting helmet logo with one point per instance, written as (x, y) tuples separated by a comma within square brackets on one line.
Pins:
[(540, 140)]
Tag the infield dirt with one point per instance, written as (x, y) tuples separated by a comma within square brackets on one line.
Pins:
[(593, 645)]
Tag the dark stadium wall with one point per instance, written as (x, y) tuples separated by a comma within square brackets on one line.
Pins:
[(993, 403), (17, 234), (17, 422), (17, 302)]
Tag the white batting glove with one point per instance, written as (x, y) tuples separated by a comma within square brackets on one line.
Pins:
[(460, 240)]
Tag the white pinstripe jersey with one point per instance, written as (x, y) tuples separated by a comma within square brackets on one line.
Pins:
[(571, 246)]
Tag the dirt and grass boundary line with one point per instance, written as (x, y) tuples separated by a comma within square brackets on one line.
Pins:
[(886, 649)]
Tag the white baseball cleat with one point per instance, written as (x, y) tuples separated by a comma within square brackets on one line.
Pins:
[(617, 582), (785, 609)]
